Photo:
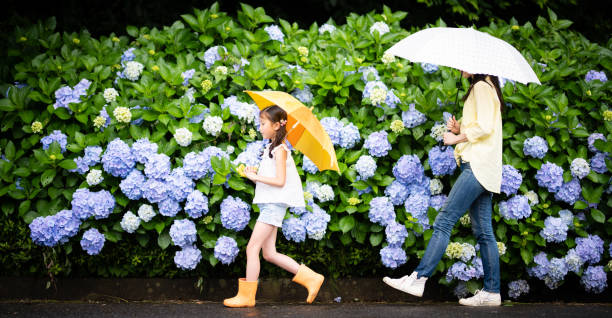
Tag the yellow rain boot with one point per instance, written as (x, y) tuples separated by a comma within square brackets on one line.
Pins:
[(245, 296), (309, 279)]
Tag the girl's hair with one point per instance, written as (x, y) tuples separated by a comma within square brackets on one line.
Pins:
[(481, 77), (276, 114)]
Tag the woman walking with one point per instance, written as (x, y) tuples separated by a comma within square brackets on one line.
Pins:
[(478, 152)]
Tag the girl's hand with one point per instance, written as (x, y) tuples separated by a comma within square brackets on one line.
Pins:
[(450, 138), (453, 125), (251, 173)]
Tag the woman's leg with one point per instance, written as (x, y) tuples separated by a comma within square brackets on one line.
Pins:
[(261, 232), (281, 260), (465, 190), (480, 214)]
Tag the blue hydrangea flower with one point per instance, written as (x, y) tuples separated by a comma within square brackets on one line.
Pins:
[(142, 149), (183, 232), (187, 75), (309, 166), (92, 241), (555, 230), (408, 168), (591, 141), (197, 204), (594, 75), (517, 288), (598, 162), (212, 55), (397, 192), (226, 250), (589, 248), (55, 136), (275, 33), (442, 162), (412, 117), (376, 92), (92, 155), (86, 204), (535, 147), (557, 269), (550, 176), (573, 260), (333, 127), (303, 95), (540, 270), (365, 167), (207, 154), (437, 201), (168, 207), (188, 257), (395, 233), (368, 74), (429, 68), (128, 55), (294, 229), (54, 229), (131, 186), (82, 166), (179, 185), (594, 279), (82, 199), (154, 190), (234, 213), (516, 208), (158, 166), (391, 100), (417, 205), (377, 144), (464, 272), (316, 222), (569, 192), (381, 211), (106, 117), (392, 257), (511, 180), (194, 165), (63, 97), (251, 156), (349, 136), (117, 159)]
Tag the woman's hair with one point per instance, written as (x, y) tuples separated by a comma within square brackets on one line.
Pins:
[(481, 77), (276, 114)]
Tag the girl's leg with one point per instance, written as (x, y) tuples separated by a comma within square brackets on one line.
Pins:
[(281, 260), (480, 213), (261, 232), (465, 190)]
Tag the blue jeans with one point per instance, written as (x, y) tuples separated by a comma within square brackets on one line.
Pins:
[(466, 193)]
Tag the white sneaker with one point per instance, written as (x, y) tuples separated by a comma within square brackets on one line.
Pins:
[(482, 298), (408, 284)]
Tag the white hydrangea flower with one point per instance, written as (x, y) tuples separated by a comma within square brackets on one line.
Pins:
[(437, 131), (94, 177), (388, 58), (212, 125), (130, 222), (229, 150), (36, 127), (183, 137), (317, 236), (467, 252), (146, 213), (532, 197), (501, 248), (378, 95), (453, 250), (379, 26), (122, 114), (397, 126), (303, 50), (99, 121), (133, 70), (326, 28), (435, 186), (325, 193), (246, 112), (220, 70), (465, 220), (580, 168), (110, 95)]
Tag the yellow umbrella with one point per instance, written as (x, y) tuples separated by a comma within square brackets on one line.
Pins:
[(304, 131)]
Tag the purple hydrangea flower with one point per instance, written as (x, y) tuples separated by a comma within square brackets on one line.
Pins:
[(377, 144), (442, 162), (154, 190), (517, 288), (412, 117), (598, 162), (381, 211), (540, 270), (179, 185), (188, 257), (396, 233), (594, 75), (555, 230), (142, 149), (168, 207), (309, 166), (397, 192), (98, 204), (194, 165), (589, 248), (535, 147), (550, 176), (55, 136), (349, 136), (417, 205), (234, 213), (392, 256), (53, 229), (557, 269), (275, 33), (511, 180), (131, 186), (303, 95), (63, 97), (316, 222), (92, 241), (128, 55), (197, 204), (294, 229), (158, 166), (594, 279), (92, 155), (333, 127), (212, 55), (591, 141), (429, 68), (573, 260), (226, 250), (407, 169), (569, 192), (437, 201), (183, 233), (187, 75), (118, 160), (516, 207)]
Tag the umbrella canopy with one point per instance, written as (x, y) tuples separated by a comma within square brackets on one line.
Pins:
[(468, 50), (304, 131)]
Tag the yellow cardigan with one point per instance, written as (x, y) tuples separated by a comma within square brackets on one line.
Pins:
[(481, 122)]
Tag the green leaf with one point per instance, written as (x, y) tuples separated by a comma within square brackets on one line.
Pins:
[(598, 216), (526, 255), (164, 240), (9, 151), (376, 239), (346, 223), (47, 177), (68, 164)]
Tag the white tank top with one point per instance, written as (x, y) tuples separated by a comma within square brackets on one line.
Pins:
[(290, 193)]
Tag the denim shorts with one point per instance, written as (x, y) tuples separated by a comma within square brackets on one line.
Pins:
[(272, 213)]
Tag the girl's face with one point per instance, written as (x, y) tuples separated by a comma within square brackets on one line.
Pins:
[(267, 128)]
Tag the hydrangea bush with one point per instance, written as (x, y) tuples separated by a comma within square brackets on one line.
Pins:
[(156, 121)]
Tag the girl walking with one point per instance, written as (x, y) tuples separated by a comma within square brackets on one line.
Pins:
[(478, 136), (278, 186)]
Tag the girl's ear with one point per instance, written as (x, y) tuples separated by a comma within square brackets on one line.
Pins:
[(276, 126)]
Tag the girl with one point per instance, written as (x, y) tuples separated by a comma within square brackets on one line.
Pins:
[(479, 154), (278, 186)]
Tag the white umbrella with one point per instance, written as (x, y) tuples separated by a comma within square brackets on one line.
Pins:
[(468, 50)]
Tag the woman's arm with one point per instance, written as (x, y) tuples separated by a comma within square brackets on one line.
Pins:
[(281, 171), (485, 113)]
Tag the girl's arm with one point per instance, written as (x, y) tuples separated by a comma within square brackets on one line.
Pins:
[(281, 171)]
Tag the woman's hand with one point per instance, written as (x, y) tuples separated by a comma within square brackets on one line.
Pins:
[(450, 138), (453, 125), (251, 173)]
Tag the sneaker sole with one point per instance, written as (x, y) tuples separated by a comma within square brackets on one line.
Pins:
[(391, 284)]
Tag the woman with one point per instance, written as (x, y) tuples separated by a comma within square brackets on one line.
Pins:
[(478, 152)]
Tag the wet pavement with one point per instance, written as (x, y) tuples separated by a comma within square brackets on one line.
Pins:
[(317, 310)]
